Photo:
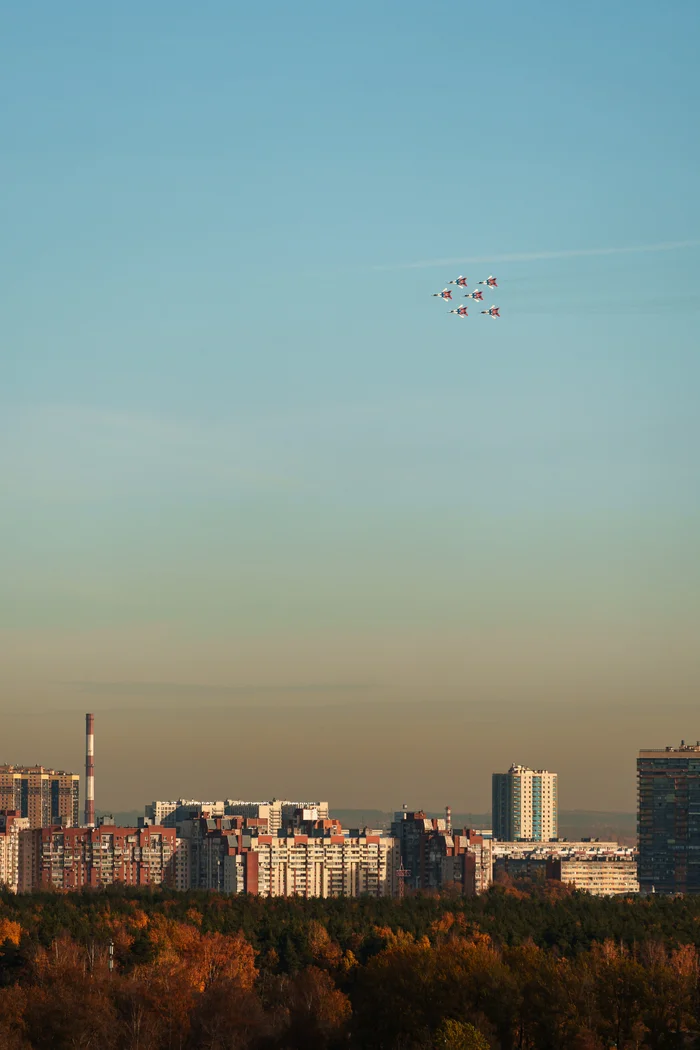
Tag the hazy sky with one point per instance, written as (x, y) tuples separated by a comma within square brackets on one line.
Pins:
[(280, 520)]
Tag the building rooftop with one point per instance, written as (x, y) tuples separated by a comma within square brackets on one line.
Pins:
[(526, 769), (683, 749), (37, 769)]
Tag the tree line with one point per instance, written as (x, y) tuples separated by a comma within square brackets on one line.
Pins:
[(523, 967)]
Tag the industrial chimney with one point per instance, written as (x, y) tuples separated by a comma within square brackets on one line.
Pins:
[(448, 818), (90, 771)]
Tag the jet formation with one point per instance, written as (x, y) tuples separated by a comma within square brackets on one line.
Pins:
[(477, 296)]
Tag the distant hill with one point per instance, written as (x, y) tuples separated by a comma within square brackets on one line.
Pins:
[(581, 823), (573, 823)]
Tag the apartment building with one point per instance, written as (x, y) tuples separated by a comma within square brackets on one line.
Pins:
[(42, 796), (602, 874), (314, 859), (532, 865), (324, 866), (10, 826), (72, 858), (668, 819), (412, 829), (276, 814), (178, 875), (601, 868), (456, 860), (551, 849), (525, 805), (434, 856)]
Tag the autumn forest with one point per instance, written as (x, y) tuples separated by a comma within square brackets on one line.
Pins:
[(519, 968)]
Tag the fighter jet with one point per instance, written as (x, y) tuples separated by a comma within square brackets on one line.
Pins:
[(461, 282), (461, 311), (444, 294), (475, 295), (490, 282), (493, 311)]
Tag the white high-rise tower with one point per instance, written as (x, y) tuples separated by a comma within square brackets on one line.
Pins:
[(525, 805)]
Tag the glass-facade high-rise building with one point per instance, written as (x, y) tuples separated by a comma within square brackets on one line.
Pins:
[(525, 805), (668, 819)]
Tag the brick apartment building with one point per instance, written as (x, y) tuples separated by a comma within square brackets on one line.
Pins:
[(72, 858), (437, 857)]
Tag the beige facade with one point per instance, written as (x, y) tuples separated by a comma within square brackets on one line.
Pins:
[(10, 826), (551, 849), (603, 875), (43, 796), (235, 855), (482, 849), (274, 815), (329, 866)]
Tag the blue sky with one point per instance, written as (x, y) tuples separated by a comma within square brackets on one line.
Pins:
[(229, 405)]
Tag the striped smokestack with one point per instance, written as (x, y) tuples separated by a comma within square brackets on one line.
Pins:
[(90, 770)]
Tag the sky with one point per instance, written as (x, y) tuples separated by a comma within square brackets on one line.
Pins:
[(282, 522)]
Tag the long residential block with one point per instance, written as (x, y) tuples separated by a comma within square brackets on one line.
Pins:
[(314, 859), (73, 858), (274, 814), (603, 875)]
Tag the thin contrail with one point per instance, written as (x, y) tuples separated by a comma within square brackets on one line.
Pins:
[(571, 253)]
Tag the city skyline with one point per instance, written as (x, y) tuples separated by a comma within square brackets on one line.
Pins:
[(256, 485), (237, 845)]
